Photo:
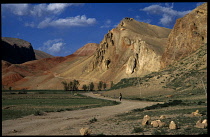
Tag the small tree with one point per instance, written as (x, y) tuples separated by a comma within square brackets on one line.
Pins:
[(100, 84), (71, 85), (91, 86), (10, 88), (65, 85), (111, 84), (104, 86), (75, 85), (84, 87)]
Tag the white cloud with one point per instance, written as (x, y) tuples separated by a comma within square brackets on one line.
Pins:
[(56, 47), (67, 22), (30, 24), (46, 9), (17, 9), (168, 15), (50, 42), (38, 10), (44, 23), (53, 46), (107, 24)]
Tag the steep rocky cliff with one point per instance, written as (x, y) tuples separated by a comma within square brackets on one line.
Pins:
[(188, 34), (131, 49), (16, 50)]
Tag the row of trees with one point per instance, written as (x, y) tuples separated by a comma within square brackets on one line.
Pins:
[(73, 86), (91, 86)]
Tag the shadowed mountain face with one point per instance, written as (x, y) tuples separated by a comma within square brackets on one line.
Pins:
[(16, 50), (132, 49)]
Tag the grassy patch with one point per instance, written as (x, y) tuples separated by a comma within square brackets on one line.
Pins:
[(19, 105), (158, 106), (137, 129), (176, 111)]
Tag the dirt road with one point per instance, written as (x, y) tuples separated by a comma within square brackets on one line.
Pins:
[(68, 122)]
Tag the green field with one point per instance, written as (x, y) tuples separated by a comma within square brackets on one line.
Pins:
[(15, 105)]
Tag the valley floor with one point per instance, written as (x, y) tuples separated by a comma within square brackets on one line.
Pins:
[(122, 119), (69, 122)]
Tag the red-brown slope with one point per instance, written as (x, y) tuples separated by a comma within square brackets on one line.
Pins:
[(12, 73), (10, 78), (42, 70), (87, 50)]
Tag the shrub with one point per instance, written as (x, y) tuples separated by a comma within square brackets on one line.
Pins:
[(137, 129), (93, 120), (158, 132), (38, 113), (158, 106), (22, 92)]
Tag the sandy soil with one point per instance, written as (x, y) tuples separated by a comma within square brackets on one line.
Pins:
[(70, 122)]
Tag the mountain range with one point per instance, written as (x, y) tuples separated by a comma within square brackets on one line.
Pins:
[(132, 49)]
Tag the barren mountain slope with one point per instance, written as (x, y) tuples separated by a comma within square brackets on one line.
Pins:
[(40, 54)]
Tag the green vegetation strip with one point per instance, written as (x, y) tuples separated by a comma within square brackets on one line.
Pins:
[(19, 105)]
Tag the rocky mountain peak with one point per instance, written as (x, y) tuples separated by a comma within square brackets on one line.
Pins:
[(130, 48)]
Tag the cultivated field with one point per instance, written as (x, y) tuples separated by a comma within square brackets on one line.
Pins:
[(15, 105)]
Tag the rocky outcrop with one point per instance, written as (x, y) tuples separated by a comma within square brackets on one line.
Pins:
[(16, 51), (133, 48), (189, 33), (145, 120), (173, 125), (158, 123), (200, 124), (85, 131)]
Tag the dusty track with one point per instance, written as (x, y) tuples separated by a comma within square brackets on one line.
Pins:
[(68, 122)]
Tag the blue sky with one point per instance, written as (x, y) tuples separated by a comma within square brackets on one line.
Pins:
[(61, 28)]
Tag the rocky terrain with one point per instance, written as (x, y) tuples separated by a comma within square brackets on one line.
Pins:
[(132, 49)]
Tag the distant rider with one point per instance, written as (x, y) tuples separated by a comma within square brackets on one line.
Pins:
[(120, 96)]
